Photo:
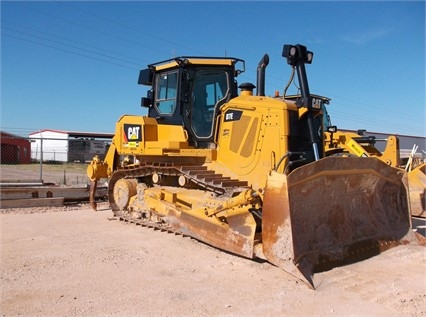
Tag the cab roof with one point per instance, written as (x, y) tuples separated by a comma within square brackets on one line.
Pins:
[(195, 60)]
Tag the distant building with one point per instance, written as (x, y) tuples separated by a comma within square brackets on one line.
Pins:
[(68, 146), (14, 149)]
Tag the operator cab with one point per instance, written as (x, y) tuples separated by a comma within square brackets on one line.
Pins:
[(189, 91)]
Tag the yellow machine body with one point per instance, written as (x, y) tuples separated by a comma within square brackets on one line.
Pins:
[(252, 179), (417, 186)]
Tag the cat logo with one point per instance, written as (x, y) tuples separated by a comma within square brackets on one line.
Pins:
[(132, 134)]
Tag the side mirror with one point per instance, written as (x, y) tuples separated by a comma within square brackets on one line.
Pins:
[(146, 102), (332, 129)]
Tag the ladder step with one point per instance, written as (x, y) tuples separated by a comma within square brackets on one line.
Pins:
[(232, 183), (193, 168)]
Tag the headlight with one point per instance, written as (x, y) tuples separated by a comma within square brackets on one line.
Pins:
[(295, 53), (309, 57)]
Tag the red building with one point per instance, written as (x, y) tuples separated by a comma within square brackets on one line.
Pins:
[(14, 149)]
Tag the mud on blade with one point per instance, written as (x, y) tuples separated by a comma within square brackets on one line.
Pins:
[(333, 212)]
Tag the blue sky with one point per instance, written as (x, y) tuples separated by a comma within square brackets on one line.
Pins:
[(74, 65)]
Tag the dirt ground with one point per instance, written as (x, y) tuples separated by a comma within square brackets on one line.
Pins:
[(75, 262)]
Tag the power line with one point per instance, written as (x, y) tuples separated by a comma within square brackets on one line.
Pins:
[(343, 119), (156, 37), (67, 51), (384, 115), (69, 40), (62, 19), (34, 36)]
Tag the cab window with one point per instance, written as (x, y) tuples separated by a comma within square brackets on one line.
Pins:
[(166, 91), (209, 91)]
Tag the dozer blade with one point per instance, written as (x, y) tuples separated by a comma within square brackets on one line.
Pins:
[(333, 212), (417, 187)]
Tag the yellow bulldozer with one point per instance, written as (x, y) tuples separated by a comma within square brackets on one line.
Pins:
[(247, 173)]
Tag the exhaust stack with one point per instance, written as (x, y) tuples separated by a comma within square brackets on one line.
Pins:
[(261, 75)]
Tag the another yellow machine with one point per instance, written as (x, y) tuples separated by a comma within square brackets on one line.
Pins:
[(246, 173), (362, 146), (417, 188), (356, 144)]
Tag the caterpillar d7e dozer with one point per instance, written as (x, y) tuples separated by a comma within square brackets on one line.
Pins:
[(246, 173)]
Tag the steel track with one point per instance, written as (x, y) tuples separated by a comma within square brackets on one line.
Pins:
[(197, 176)]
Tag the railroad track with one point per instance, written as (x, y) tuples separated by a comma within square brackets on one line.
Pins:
[(37, 194)]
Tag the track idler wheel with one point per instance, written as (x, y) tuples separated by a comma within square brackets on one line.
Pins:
[(124, 189)]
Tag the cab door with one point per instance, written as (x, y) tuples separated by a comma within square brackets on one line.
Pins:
[(210, 89)]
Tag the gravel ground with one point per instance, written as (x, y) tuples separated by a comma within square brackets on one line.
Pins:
[(71, 261)]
